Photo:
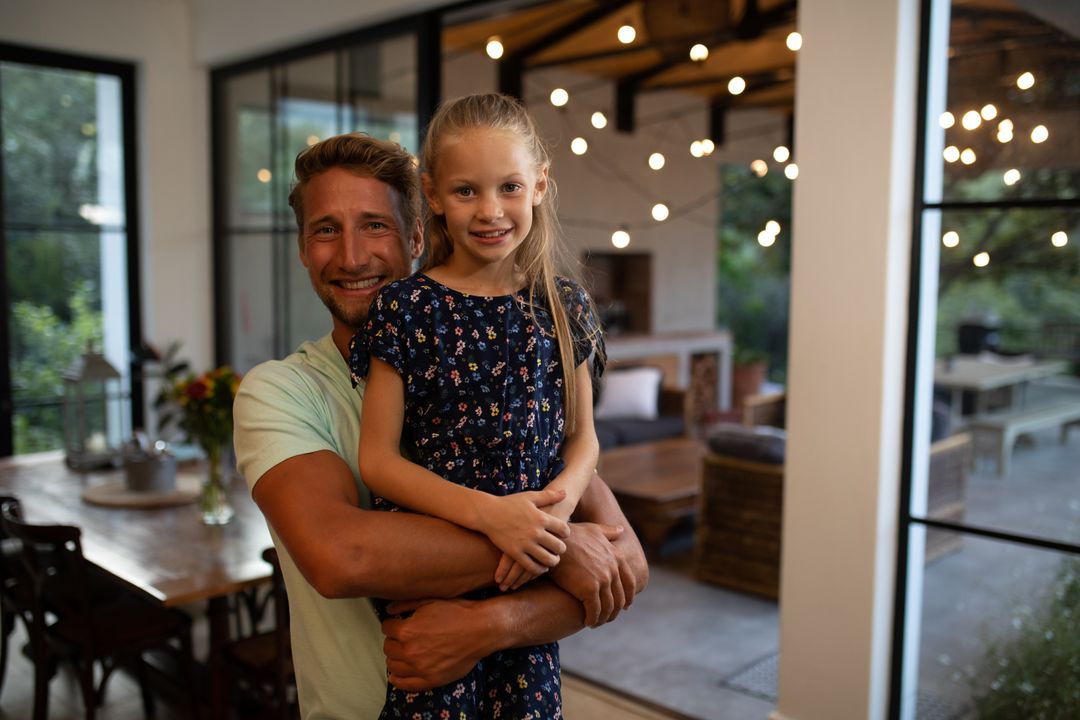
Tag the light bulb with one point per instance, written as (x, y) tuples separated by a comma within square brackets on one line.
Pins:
[(696, 149), (951, 154), (312, 139), (559, 97), (989, 111), (967, 156), (736, 85), (950, 239), (1011, 176), (494, 47), (971, 120), (982, 259), (1006, 125), (759, 167), (1004, 136), (765, 238), (699, 52), (1059, 239), (579, 145), (794, 41), (660, 212), (598, 120), (780, 154), (1039, 134), (626, 35), (707, 146), (946, 120), (264, 175), (791, 171), (656, 161), (1025, 81), (773, 227), (620, 238)]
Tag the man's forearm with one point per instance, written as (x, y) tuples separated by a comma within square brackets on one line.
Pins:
[(598, 505)]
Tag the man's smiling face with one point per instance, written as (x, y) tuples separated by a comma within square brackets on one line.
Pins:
[(353, 244)]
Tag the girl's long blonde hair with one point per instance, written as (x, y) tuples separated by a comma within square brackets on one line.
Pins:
[(543, 251)]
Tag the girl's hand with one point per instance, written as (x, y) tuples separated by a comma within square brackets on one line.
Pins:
[(513, 575), (517, 526)]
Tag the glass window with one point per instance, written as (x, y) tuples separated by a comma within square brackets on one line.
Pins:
[(64, 234), (268, 112), (993, 523)]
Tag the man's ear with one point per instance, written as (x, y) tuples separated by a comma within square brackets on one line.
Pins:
[(429, 192), (540, 189), (416, 242)]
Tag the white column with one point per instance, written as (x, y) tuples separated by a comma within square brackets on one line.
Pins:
[(855, 112)]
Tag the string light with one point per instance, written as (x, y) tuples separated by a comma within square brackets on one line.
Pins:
[(626, 34), (950, 239), (794, 41), (773, 227), (780, 153), (971, 120), (1039, 134), (620, 238), (707, 146), (989, 111), (312, 139), (559, 97), (1059, 239), (951, 154), (660, 212), (656, 161), (766, 238), (696, 149), (759, 167), (579, 146), (494, 47), (982, 259), (598, 120), (1004, 133), (1025, 81), (967, 156), (736, 85), (699, 52), (1011, 176), (264, 175), (1006, 125), (791, 171), (946, 120)]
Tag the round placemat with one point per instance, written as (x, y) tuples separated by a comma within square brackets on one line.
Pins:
[(115, 493)]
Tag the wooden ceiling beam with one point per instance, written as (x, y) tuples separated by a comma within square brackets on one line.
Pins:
[(512, 67)]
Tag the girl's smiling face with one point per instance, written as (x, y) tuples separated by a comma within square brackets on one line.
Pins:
[(486, 185)]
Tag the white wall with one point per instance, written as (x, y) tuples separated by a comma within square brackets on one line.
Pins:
[(852, 216), (612, 184), (232, 30), (173, 148)]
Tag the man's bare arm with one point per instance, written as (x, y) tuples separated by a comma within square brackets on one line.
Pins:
[(344, 551)]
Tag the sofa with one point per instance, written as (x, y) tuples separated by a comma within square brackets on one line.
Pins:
[(634, 406), (737, 543)]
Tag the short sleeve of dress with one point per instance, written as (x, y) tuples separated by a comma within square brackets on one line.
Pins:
[(584, 324), (380, 338)]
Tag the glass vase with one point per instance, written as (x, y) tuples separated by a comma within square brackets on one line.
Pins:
[(214, 497)]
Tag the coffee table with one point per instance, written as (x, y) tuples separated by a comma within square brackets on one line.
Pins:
[(656, 483)]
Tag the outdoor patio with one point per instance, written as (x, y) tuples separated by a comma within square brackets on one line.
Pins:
[(706, 652)]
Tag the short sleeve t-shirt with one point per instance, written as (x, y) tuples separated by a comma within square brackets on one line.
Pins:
[(303, 404)]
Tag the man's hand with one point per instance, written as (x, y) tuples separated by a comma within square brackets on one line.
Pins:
[(595, 571), (439, 643)]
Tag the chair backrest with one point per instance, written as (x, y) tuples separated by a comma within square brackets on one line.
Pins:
[(770, 409), (52, 558)]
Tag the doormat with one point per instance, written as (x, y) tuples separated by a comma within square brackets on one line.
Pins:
[(759, 679)]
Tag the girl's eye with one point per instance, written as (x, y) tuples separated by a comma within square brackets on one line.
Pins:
[(464, 192), (511, 187)]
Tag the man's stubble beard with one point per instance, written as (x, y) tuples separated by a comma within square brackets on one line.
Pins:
[(354, 319)]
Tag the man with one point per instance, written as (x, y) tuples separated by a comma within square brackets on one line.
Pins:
[(297, 431)]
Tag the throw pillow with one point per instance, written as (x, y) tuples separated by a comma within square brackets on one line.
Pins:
[(630, 393), (760, 444)]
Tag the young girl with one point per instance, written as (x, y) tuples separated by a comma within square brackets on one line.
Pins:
[(478, 368)]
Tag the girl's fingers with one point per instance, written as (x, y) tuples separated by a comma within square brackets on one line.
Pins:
[(512, 578), (547, 496), (555, 526), (506, 563), (553, 545)]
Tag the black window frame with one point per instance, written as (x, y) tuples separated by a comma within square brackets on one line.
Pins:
[(126, 73)]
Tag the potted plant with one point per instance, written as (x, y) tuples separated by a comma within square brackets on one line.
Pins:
[(748, 371)]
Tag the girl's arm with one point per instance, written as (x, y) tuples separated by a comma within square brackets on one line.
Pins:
[(515, 523), (580, 451)]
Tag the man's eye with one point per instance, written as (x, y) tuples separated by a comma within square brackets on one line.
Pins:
[(376, 226), (326, 230)]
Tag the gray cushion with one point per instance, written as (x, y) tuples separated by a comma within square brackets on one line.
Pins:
[(760, 444)]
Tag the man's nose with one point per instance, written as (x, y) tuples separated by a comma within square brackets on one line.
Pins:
[(355, 250)]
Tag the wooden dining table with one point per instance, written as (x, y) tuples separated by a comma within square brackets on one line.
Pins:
[(165, 552), (980, 375)]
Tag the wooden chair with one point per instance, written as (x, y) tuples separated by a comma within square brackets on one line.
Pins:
[(15, 589), (74, 618), (262, 663)]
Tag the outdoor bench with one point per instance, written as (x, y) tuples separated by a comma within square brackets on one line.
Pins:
[(997, 431)]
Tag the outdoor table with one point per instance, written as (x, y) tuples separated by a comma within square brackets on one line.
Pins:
[(980, 374)]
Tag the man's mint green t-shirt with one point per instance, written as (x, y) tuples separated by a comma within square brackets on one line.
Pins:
[(285, 408)]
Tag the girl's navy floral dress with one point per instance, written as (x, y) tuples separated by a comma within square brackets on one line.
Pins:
[(483, 408)]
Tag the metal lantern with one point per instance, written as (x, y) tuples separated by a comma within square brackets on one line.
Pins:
[(93, 413)]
